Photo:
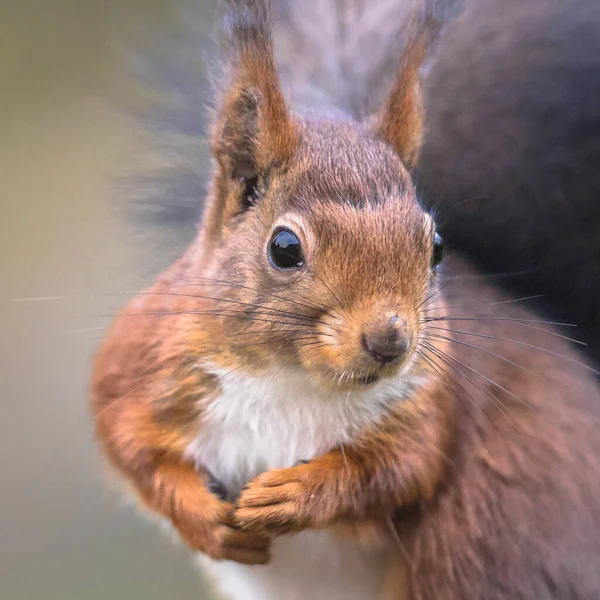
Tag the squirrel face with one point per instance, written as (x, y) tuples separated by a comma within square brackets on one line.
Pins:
[(327, 263), (313, 244)]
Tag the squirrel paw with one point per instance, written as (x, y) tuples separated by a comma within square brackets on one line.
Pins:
[(283, 501), (222, 539)]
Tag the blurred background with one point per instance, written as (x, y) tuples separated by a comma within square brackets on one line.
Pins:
[(65, 141)]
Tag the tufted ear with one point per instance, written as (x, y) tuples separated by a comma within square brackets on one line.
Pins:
[(254, 129), (400, 120)]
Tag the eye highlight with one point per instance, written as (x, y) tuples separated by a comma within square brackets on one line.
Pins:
[(438, 250), (285, 251)]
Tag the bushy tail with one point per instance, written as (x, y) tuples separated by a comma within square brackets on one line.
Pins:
[(341, 53), (345, 52)]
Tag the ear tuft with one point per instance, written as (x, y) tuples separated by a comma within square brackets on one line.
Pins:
[(254, 129), (245, 22), (400, 121), (235, 143)]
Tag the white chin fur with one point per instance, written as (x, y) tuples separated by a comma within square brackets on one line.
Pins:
[(260, 423)]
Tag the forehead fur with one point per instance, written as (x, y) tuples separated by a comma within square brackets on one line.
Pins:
[(342, 162), (353, 197)]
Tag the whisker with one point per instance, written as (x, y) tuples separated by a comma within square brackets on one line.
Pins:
[(524, 344), (134, 389), (308, 332), (265, 342), (247, 364), (313, 343), (316, 306), (230, 301), (344, 307), (270, 382), (398, 540), (201, 312), (527, 326), (115, 402), (487, 276), (466, 366), (39, 299), (446, 358), (500, 319), (440, 288), (500, 357), (512, 301), (342, 449), (137, 387), (445, 378), (207, 281)]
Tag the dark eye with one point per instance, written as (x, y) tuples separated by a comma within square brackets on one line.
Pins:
[(285, 251), (438, 250)]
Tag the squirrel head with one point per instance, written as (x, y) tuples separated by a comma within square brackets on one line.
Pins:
[(313, 245)]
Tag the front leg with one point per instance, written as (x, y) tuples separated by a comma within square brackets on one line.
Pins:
[(189, 497), (145, 401), (393, 466)]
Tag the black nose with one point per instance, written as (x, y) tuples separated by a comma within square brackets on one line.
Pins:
[(385, 346)]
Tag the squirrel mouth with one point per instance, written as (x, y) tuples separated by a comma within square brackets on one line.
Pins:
[(354, 382), (368, 380)]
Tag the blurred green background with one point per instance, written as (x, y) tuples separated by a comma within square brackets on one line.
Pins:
[(64, 242)]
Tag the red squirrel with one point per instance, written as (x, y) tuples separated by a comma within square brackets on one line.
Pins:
[(321, 403)]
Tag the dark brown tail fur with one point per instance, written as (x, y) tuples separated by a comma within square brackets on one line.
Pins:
[(512, 154)]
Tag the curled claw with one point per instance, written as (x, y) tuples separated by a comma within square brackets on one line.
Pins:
[(242, 546), (221, 539), (276, 502)]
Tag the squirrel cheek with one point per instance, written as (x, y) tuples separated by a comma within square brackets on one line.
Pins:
[(331, 354), (340, 350)]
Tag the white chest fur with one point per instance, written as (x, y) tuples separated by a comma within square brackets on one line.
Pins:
[(257, 424)]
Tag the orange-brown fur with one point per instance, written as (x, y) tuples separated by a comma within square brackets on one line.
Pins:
[(476, 481)]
